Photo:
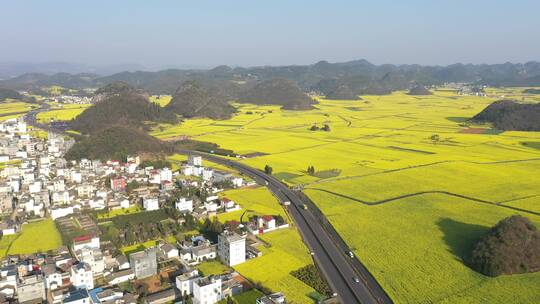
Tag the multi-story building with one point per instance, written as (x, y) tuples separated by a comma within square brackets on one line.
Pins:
[(184, 205), (82, 276), (144, 263), (31, 288), (93, 257), (150, 203), (118, 184), (207, 290), (231, 248), (195, 160)]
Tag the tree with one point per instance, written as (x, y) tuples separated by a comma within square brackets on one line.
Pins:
[(268, 170), (314, 128), (435, 138), (326, 128), (311, 170)]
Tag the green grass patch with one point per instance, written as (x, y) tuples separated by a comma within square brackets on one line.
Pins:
[(532, 144), (34, 237), (212, 268)]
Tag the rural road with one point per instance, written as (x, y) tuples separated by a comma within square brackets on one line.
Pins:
[(329, 251)]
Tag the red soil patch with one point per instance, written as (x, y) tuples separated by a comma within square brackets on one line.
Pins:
[(473, 131)]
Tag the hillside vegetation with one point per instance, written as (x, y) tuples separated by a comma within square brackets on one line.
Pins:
[(116, 142), (126, 108), (509, 115), (419, 90), (361, 76), (191, 99), (512, 246), (278, 92), (9, 94), (342, 92)]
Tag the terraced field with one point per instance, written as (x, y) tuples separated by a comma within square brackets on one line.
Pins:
[(414, 182)]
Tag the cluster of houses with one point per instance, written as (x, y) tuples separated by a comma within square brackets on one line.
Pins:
[(86, 274), (37, 182)]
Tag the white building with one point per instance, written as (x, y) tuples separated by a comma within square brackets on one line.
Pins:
[(237, 182), (187, 170), (195, 160), (165, 174), (57, 212), (92, 257), (184, 282), (82, 276), (184, 205), (207, 290), (207, 174), (231, 248), (34, 187), (87, 241), (150, 203)]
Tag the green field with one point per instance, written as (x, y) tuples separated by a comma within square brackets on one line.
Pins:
[(408, 203), (272, 269), (34, 237), (62, 112), (253, 201)]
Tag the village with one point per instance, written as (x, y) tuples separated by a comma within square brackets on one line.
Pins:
[(103, 207)]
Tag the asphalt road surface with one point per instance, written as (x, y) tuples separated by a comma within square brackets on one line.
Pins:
[(347, 276)]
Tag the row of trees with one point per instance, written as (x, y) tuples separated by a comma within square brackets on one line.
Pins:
[(325, 128)]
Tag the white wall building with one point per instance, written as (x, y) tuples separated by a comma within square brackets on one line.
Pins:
[(184, 282), (195, 160), (150, 203), (207, 290), (82, 276), (231, 248), (57, 212), (184, 205), (165, 174)]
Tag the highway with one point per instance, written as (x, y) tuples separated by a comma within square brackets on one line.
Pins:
[(330, 252)]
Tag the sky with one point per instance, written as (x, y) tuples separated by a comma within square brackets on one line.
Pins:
[(278, 32)]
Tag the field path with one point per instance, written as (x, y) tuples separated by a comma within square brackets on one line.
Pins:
[(388, 200), (350, 177)]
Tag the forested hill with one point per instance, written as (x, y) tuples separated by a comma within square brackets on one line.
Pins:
[(9, 94), (360, 76), (509, 115), (419, 90), (278, 92), (192, 99), (342, 92), (127, 108), (116, 142)]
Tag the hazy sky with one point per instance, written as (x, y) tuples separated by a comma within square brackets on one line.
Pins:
[(275, 32)]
